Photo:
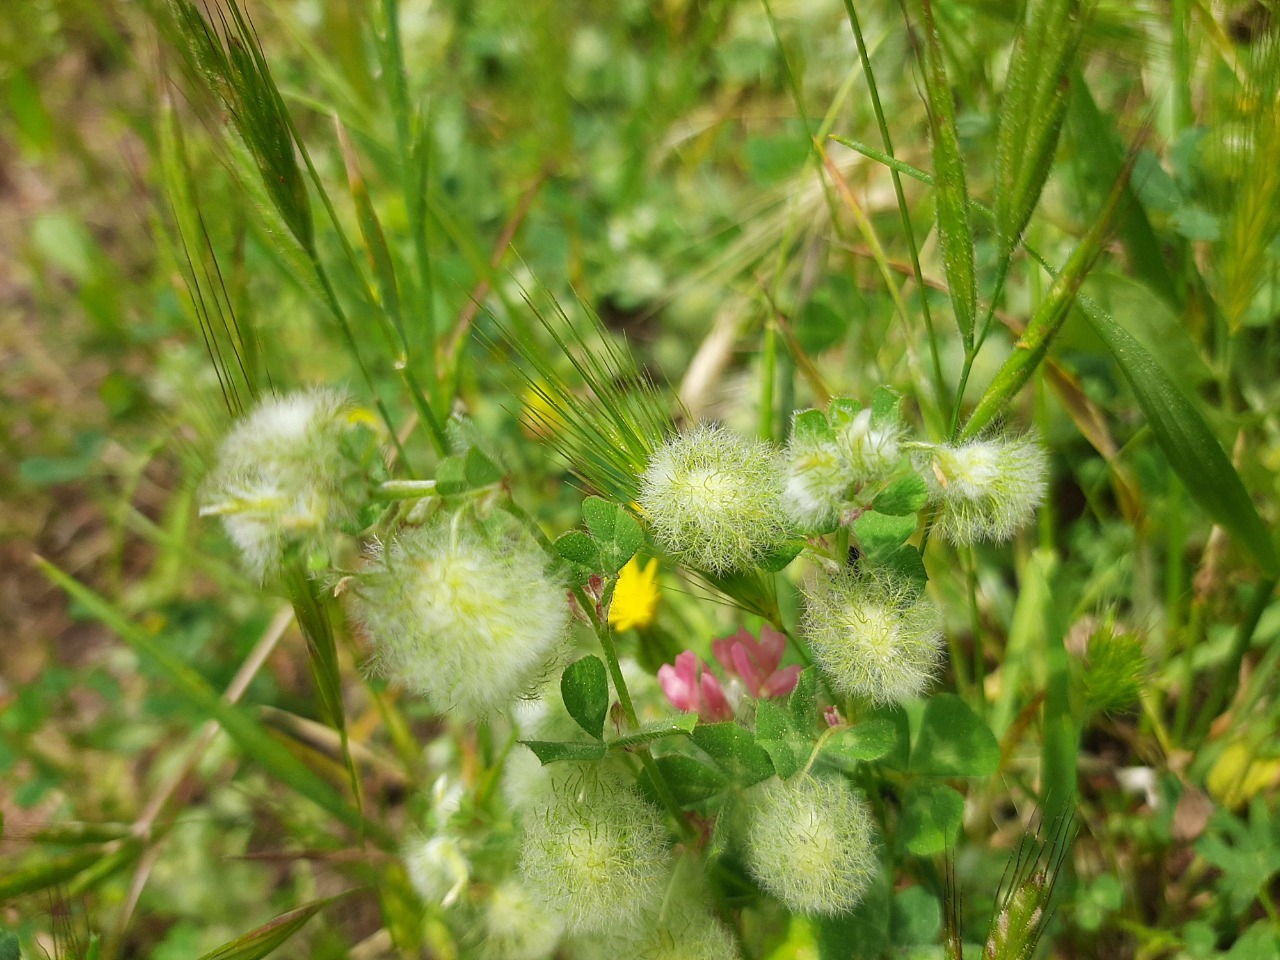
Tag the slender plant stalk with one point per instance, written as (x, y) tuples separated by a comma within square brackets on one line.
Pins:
[(768, 373), (903, 213), (601, 628), (975, 627)]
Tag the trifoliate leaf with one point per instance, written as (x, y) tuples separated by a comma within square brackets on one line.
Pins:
[(931, 818), (735, 750)]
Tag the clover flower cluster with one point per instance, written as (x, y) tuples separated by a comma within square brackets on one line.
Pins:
[(874, 635), (985, 490), (755, 665), (468, 620), (811, 844), (721, 503), (291, 473), (594, 851), (714, 499)]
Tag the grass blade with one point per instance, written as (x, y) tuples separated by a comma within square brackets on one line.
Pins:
[(239, 725), (1101, 159), (44, 874), (954, 229), (257, 943), (375, 241), (1186, 439), (322, 649)]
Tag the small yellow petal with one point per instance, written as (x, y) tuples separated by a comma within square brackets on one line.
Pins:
[(635, 598), (1237, 776)]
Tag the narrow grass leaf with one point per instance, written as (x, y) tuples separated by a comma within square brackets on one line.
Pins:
[(1100, 156), (261, 941), (954, 229), (45, 873), (247, 733), (1186, 439), (322, 649), (375, 241)]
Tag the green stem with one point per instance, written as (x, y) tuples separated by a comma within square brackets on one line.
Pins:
[(903, 212), (413, 179), (601, 629), (335, 307), (406, 489), (769, 366), (1002, 276), (975, 627), (423, 406), (969, 355)]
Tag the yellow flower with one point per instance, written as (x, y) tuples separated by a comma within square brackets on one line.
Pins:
[(635, 598), (1239, 776)]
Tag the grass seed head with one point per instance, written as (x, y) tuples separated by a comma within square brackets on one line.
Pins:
[(874, 635), (465, 618), (714, 499), (594, 851), (985, 490), (811, 844)]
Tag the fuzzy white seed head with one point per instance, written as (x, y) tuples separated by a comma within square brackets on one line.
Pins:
[(811, 844), (817, 479), (466, 619), (687, 932), (714, 499), (594, 852), (873, 635), (986, 490), (871, 450), (437, 868), (516, 927), (289, 473)]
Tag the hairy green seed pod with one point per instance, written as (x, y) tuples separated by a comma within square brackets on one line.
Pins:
[(594, 851), (811, 844), (467, 619), (985, 490), (873, 635), (292, 472), (714, 499)]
